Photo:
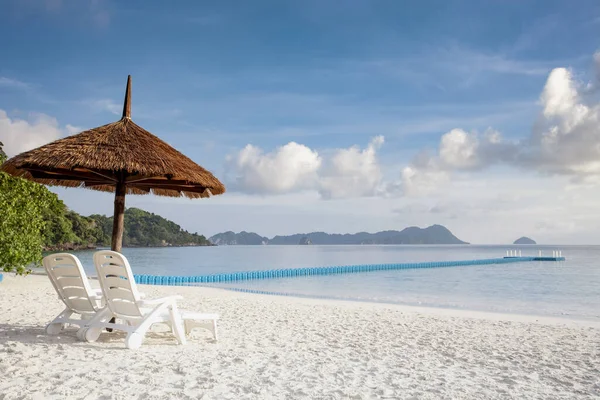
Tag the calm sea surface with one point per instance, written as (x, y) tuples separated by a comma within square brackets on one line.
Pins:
[(567, 289)]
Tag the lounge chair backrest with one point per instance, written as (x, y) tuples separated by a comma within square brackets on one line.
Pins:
[(118, 284), (71, 282)]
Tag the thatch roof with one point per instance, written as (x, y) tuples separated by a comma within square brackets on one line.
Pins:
[(98, 158)]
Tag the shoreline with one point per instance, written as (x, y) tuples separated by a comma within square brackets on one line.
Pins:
[(439, 311), (424, 309), (274, 347)]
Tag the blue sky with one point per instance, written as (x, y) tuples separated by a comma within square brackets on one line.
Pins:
[(211, 78)]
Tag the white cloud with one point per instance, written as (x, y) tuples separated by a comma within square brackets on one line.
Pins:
[(72, 130), (564, 140), (21, 135), (421, 182), (12, 83), (445, 66), (491, 208), (458, 149), (461, 150), (289, 168), (352, 172), (560, 96), (471, 62), (421, 177), (343, 173)]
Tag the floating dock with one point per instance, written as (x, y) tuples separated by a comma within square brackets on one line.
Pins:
[(542, 258), (348, 269)]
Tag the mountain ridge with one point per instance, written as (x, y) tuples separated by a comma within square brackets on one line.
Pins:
[(434, 234)]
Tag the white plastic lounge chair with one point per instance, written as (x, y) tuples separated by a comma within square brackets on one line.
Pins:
[(73, 288), (124, 303)]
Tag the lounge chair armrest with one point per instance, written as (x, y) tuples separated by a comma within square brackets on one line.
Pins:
[(162, 300)]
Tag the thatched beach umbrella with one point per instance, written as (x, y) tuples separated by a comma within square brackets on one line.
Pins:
[(121, 157)]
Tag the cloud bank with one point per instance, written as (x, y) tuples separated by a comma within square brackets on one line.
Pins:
[(20, 135), (564, 140), (289, 168), (352, 172), (343, 173)]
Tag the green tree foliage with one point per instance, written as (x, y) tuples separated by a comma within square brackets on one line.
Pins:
[(2, 154), (58, 227), (23, 205), (87, 230), (147, 229)]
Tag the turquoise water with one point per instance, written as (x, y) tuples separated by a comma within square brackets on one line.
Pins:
[(570, 288)]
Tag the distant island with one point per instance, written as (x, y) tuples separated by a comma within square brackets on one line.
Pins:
[(242, 238), (435, 234), (71, 231), (524, 240)]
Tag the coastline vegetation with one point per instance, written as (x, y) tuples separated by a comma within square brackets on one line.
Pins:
[(33, 219)]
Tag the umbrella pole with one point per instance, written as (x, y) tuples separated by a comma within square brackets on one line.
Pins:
[(119, 217)]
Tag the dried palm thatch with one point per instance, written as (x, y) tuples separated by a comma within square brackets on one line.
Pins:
[(120, 157), (99, 158)]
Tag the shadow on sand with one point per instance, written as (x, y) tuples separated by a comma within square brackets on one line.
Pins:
[(31, 334)]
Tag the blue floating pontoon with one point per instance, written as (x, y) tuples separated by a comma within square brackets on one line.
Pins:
[(291, 272)]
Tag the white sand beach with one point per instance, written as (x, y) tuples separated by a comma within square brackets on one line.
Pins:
[(290, 348)]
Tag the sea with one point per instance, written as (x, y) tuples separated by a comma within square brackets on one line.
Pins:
[(568, 289)]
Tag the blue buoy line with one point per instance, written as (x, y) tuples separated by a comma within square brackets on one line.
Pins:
[(347, 269)]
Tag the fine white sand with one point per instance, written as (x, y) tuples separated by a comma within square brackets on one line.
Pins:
[(287, 348)]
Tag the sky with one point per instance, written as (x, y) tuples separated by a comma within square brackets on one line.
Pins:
[(335, 116)]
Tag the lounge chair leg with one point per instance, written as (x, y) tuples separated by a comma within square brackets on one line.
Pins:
[(214, 329), (81, 333), (57, 325), (54, 328), (134, 340), (100, 317), (176, 321), (92, 334)]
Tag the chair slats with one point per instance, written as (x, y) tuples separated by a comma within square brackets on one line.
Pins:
[(116, 293), (124, 308), (68, 281), (117, 282), (54, 260), (113, 270), (65, 271), (81, 305), (71, 291)]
